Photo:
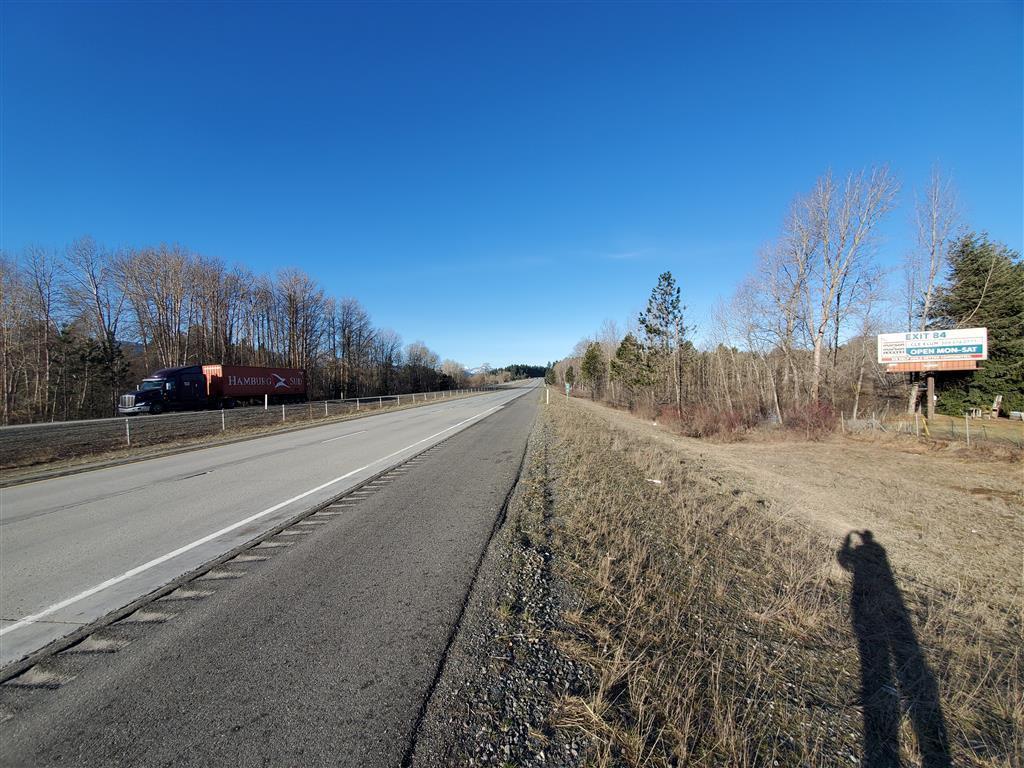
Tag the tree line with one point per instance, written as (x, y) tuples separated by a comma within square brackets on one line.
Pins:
[(796, 342), (522, 371), (80, 325)]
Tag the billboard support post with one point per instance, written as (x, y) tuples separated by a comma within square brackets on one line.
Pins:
[(931, 396)]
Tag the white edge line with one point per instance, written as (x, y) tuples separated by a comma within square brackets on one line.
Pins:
[(340, 437), (216, 534)]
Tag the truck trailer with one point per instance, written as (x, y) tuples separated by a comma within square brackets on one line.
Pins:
[(197, 387)]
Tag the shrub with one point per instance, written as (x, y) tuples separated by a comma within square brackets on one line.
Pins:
[(812, 421), (702, 421)]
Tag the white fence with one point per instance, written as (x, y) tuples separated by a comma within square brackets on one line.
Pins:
[(32, 444)]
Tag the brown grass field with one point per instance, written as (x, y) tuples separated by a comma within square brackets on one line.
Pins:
[(847, 601)]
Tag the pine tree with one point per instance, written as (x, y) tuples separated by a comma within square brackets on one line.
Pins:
[(664, 330), (592, 369), (570, 376), (985, 289), (630, 366)]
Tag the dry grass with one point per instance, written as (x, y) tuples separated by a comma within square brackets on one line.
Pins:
[(720, 626)]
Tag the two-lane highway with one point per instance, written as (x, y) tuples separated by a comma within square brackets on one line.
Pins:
[(74, 548)]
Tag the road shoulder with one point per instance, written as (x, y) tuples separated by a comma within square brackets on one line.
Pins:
[(497, 700)]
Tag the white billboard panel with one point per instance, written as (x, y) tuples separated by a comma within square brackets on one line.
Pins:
[(933, 346)]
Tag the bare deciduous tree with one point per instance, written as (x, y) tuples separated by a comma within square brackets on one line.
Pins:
[(936, 216), (843, 220)]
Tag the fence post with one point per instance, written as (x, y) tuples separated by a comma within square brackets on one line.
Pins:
[(128, 433), (282, 412), (325, 409), (967, 426), (222, 427), (357, 403)]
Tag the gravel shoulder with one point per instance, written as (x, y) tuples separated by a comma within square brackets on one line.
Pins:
[(498, 699)]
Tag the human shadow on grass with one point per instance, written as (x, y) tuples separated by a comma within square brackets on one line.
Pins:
[(893, 671)]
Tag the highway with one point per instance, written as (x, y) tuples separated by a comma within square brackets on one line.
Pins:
[(74, 548), (318, 646)]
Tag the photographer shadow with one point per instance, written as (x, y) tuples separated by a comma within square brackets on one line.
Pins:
[(894, 674)]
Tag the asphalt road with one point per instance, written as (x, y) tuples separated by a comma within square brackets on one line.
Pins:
[(74, 548), (322, 654)]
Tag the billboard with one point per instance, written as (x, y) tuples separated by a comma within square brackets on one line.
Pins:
[(955, 344)]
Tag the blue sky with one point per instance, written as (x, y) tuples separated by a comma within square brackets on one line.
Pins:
[(495, 179)]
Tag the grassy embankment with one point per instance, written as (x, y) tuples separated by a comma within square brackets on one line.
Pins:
[(727, 624)]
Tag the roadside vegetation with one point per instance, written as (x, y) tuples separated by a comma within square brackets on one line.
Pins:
[(727, 626), (794, 348)]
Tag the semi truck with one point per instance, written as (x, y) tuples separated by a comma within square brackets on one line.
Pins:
[(197, 387)]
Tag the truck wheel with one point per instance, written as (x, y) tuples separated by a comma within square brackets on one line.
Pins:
[(156, 409)]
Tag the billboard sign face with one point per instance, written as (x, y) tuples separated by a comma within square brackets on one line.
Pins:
[(964, 344)]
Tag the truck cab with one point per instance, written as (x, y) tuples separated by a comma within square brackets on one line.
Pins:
[(170, 389)]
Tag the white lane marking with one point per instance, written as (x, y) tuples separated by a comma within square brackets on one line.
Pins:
[(216, 534), (347, 434)]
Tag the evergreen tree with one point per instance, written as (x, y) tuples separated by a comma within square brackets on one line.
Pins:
[(114, 368), (570, 376), (664, 330), (592, 369), (985, 289), (549, 374), (630, 366)]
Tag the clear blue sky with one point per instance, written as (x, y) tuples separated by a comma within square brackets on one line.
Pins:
[(495, 179)]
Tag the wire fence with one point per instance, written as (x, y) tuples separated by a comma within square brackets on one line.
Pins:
[(966, 429), (26, 445)]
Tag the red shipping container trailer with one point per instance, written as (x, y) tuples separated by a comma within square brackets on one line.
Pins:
[(240, 382)]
